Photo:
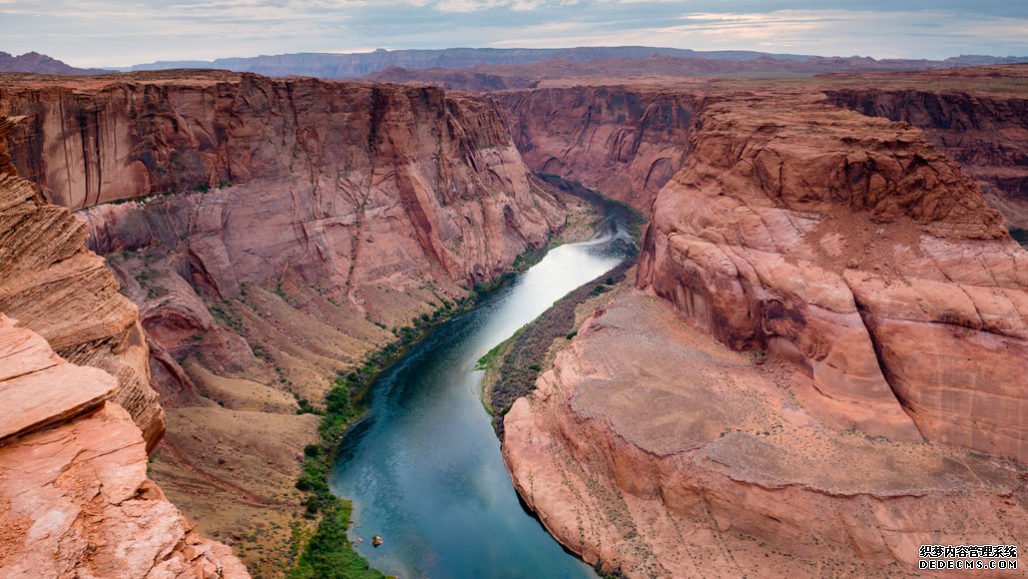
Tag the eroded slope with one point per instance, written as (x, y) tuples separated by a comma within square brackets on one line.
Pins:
[(74, 494), (884, 313), (272, 233), (976, 116)]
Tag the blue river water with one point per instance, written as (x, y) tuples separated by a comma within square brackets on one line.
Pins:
[(424, 469)]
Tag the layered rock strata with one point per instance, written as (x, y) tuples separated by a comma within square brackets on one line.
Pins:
[(328, 170), (74, 496), (977, 117), (880, 405), (273, 232), (626, 143), (75, 499), (45, 268)]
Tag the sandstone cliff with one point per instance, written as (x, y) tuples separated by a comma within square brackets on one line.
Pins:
[(74, 494), (608, 129), (653, 450), (45, 268), (977, 117), (373, 203), (623, 142), (342, 148), (272, 232), (884, 312), (836, 239)]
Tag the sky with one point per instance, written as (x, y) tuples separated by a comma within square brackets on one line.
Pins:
[(97, 33)]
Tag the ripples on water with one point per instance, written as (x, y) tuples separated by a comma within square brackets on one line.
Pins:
[(424, 470)]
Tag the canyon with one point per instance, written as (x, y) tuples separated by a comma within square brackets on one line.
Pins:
[(77, 422), (816, 366), (820, 293), (975, 116), (271, 234)]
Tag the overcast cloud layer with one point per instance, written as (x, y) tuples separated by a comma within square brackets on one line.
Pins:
[(110, 33)]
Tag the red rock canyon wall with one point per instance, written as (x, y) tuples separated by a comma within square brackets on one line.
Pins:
[(884, 312), (622, 142), (986, 133), (74, 494), (272, 233)]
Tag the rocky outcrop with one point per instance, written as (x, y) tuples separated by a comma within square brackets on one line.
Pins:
[(75, 499), (975, 116), (652, 450), (272, 233), (818, 234), (623, 142), (45, 268), (74, 496), (884, 311)]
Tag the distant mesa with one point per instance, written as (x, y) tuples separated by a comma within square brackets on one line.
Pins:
[(504, 68), (352, 65), (332, 65), (33, 62)]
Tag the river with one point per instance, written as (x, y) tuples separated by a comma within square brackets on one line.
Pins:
[(424, 468)]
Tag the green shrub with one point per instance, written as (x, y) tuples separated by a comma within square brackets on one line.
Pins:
[(329, 554), (305, 406)]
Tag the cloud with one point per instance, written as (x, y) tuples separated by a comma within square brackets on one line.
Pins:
[(109, 32), (467, 5), (921, 34), (476, 5)]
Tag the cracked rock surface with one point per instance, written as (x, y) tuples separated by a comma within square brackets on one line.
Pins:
[(75, 500)]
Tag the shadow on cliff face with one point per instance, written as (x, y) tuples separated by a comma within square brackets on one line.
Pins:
[(1019, 235), (880, 299), (623, 142), (273, 232), (979, 119)]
